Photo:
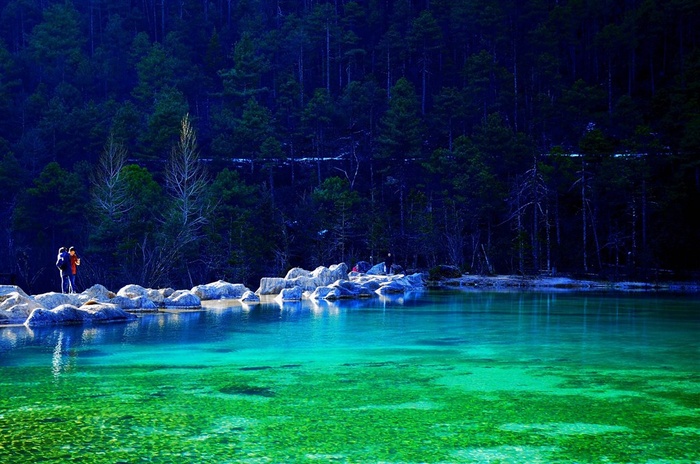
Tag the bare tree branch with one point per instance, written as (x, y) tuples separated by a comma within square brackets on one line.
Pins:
[(109, 189), (186, 180)]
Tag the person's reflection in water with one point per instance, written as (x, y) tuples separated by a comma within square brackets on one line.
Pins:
[(60, 361), (57, 355)]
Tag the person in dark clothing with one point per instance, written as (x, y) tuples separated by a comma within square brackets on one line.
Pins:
[(74, 263), (63, 265), (388, 262)]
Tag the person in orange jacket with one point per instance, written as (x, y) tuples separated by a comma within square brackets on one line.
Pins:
[(74, 263)]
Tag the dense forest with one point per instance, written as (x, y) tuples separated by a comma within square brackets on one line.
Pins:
[(175, 143)]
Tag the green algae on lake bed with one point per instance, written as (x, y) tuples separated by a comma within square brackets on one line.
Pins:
[(386, 396)]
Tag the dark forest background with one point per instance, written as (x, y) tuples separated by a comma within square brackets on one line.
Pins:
[(175, 143)]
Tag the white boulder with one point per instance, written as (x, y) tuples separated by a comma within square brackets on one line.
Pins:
[(7, 289), (159, 295), (104, 312), (219, 290), (377, 269), (132, 291), (139, 303), (297, 272), (250, 297), (69, 314), (391, 288), (342, 289), (184, 299), (97, 293), (53, 300), (15, 307), (271, 285), (307, 281), (338, 272), (289, 294)]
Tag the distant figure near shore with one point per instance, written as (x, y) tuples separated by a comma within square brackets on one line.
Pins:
[(388, 262)]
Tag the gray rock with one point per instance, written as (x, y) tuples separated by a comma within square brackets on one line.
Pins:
[(105, 312), (132, 291), (297, 272), (63, 314), (343, 289), (305, 280), (271, 285), (306, 283), (219, 290), (338, 272), (370, 284), (320, 293), (250, 297), (53, 300), (377, 269), (412, 281), (391, 288), (98, 293), (139, 303), (289, 294), (15, 307), (8, 289), (183, 299), (69, 314), (158, 296), (400, 284)]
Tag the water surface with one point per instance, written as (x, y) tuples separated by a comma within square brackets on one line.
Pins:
[(441, 377)]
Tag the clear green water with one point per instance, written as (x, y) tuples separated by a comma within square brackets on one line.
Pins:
[(440, 378)]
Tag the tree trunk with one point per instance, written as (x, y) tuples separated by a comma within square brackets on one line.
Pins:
[(595, 238), (328, 58), (583, 207), (424, 78)]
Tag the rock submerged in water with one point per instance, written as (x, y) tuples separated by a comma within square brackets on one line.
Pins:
[(290, 294), (69, 314), (249, 298)]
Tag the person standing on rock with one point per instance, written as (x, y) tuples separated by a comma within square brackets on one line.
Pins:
[(63, 265), (74, 263), (388, 262)]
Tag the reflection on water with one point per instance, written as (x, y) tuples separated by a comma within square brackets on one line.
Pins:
[(431, 377), (527, 321)]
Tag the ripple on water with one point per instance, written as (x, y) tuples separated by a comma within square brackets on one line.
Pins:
[(555, 428), (418, 405), (509, 454), (486, 379)]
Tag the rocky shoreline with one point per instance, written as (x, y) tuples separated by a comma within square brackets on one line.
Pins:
[(506, 282), (98, 304)]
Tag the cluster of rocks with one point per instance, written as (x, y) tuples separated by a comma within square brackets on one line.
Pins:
[(98, 304), (335, 282), (549, 283)]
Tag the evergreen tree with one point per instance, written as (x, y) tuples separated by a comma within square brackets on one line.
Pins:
[(244, 80), (400, 128), (56, 43)]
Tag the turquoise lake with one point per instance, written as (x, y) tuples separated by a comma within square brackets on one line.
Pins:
[(434, 377)]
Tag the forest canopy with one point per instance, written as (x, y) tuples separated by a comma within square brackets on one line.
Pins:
[(175, 143)]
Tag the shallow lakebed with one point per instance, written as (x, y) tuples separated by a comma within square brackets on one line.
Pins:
[(438, 376)]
